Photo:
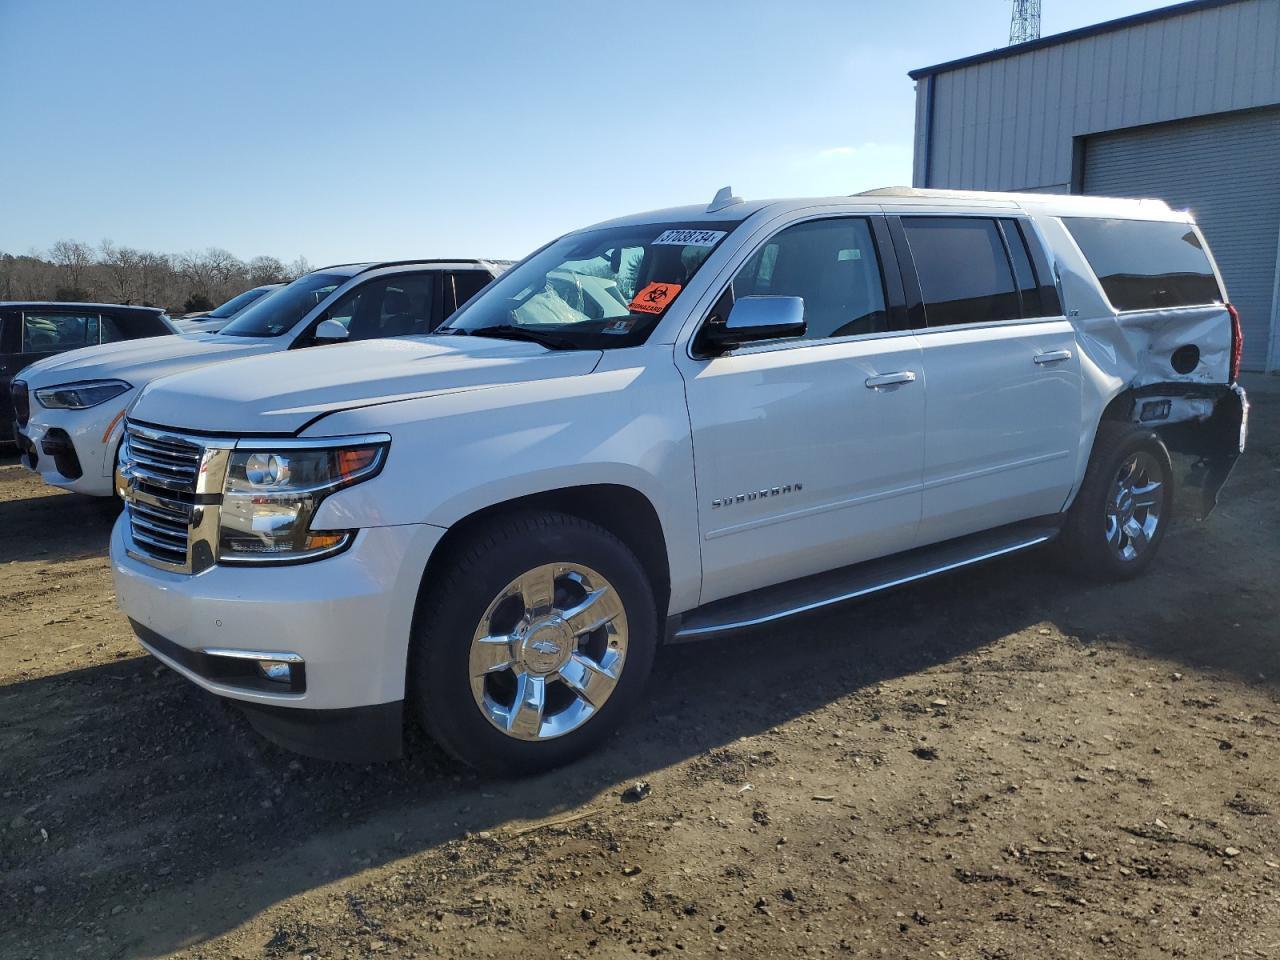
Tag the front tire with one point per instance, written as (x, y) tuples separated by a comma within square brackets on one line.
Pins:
[(1120, 516), (533, 644)]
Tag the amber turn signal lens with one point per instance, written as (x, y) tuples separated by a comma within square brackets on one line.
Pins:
[(319, 541), (353, 460)]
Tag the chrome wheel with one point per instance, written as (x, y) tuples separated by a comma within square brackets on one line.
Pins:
[(548, 651), (1134, 506)]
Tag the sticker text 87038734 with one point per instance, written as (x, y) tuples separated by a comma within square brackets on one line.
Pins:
[(689, 238)]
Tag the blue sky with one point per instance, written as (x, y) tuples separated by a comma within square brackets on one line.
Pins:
[(352, 131)]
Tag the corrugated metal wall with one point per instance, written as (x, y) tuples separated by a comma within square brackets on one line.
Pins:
[(1084, 108), (1226, 169), (1009, 123)]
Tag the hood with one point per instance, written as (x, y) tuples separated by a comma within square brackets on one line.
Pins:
[(283, 392), (140, 361)]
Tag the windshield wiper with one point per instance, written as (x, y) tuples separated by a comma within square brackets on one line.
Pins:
[(509, 331)]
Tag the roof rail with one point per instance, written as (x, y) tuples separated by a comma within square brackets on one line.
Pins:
[(367, 265), (1025, 196)]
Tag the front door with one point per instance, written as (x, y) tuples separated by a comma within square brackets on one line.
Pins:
[(1002, 369), (808, 452)]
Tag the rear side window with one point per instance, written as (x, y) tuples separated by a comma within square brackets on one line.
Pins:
[(964, 272), (50, 332), (1144, 265), (466, 284)]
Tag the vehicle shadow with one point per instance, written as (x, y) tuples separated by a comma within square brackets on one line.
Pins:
[(54, 525), (155, 795)]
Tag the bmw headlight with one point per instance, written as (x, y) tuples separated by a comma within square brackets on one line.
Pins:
[(80, 396), (271, 495)]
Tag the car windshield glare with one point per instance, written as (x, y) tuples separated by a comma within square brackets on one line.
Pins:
[(595, 289), (271, 316), (234, 305)]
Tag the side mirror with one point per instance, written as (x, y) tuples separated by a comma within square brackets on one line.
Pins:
[(757, 318), (329, 331)]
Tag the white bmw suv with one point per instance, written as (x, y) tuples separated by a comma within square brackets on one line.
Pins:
[(664, 427), (72, 405)]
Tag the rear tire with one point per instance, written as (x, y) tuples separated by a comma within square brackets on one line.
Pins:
[(1125, 504), (533, 644)]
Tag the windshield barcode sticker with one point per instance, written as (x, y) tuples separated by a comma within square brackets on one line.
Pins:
[(689, 238)]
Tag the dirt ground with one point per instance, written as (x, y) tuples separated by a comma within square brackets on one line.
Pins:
[(1004, 763)]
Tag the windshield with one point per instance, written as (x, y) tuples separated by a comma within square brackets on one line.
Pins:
[(233, 306), (593, 290), (273, 315)]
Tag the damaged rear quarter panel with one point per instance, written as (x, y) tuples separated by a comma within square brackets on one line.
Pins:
[(1127, 368)]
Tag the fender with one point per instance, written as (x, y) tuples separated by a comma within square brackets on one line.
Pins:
[(636, 435)]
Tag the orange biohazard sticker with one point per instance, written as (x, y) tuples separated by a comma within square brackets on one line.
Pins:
[(654, 298)]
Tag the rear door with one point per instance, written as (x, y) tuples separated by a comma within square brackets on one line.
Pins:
[(1001, 370), (808, 451)]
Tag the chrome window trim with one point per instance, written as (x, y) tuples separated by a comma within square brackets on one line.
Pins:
[(923, 332), (800, 343)]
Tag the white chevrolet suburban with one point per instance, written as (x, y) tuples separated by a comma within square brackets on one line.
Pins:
[(664, 427)]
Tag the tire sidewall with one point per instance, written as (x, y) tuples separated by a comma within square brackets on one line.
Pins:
[(442, 683), (1087, 539)]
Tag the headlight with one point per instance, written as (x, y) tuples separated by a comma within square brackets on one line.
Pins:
[(271, 495), (80, 396)]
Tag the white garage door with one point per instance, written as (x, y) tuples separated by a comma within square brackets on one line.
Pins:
[(1226, 169)]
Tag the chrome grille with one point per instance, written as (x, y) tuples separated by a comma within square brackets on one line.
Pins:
[(161, 529), (163, 470), (170, 463)]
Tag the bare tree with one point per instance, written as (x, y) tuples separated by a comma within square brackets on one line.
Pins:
[(75, 259), (73, 270), (120, 265), (265, 270)]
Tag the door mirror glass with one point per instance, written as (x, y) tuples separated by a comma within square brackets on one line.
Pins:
[(758, 318), (330, 331)]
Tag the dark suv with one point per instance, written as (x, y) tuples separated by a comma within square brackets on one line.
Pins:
[(33, 330)]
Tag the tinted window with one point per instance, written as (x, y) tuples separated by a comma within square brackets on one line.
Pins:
[(466, 284), (55, 332), (1023, 272), (386, 307), (1144, 264), (832, 265), (963, 270)]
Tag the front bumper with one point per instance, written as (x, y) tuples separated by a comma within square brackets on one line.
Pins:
[(58, 443), (347, 618)]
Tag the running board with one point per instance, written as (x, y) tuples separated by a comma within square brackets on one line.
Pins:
[(848, 583)]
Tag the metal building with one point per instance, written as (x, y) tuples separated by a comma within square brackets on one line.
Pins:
[(1181, 103)]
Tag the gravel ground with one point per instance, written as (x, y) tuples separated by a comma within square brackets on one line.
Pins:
[(1004, 763)]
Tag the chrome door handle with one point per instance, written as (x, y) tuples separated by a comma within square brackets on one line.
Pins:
[(1052, 356), (889, 379)]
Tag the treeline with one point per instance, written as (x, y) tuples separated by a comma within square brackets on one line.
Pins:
[(183, 283)]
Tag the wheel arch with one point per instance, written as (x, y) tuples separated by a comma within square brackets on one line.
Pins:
[(624, 511)]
